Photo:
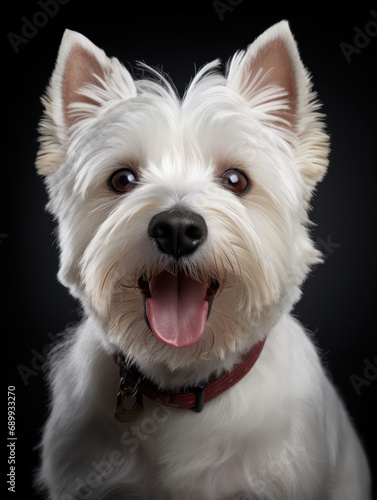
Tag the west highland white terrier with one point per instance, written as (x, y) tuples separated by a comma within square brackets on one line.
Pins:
[(184, 233)]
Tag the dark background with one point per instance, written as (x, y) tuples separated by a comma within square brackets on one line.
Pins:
[(338, 303)]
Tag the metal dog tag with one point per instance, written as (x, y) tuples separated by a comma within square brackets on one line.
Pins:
[(129, 401)]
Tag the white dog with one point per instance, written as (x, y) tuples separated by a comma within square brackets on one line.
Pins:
[(183, 231)]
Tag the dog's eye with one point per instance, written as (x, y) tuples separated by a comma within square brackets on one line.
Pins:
[(123, 180), (235, 180)]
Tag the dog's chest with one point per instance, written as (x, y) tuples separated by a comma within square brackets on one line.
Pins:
[(205, 455)]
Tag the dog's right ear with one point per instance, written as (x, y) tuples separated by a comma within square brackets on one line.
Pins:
[(84, 80)]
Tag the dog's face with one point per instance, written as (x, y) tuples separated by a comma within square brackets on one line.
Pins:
[(183, 223)]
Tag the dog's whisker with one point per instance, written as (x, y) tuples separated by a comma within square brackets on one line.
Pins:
[(206, 354)]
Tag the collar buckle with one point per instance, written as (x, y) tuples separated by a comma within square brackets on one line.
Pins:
[(198, 390)]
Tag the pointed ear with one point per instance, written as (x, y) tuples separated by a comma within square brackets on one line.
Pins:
[(270, 76), (84, 80)]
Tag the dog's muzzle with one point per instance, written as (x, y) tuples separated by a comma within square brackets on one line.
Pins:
[(177, 305)]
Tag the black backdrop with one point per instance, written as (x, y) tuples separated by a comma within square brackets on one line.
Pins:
[(338, 303)]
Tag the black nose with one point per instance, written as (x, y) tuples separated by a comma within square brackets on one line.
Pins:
[(178, 232)]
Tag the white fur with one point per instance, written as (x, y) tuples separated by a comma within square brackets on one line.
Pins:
[(279, 433)]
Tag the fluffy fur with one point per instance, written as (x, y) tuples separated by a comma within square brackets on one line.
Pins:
[(279, 433)]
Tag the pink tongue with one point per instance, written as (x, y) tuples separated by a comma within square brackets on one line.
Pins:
[(177, 311)]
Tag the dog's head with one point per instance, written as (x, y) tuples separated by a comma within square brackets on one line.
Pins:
[(183, 222)]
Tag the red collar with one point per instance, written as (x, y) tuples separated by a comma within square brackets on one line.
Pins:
[(133, 384)]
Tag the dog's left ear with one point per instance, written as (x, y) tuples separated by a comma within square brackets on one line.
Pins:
[(83, 81), (270, 76)]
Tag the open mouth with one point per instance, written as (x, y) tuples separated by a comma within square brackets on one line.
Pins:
[(177, 307)]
